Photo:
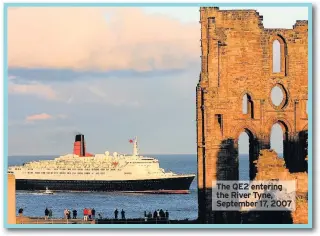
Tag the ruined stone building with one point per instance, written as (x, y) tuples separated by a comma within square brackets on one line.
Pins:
[(239, 63)]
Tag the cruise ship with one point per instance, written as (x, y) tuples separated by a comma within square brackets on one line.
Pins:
[(82, 171)]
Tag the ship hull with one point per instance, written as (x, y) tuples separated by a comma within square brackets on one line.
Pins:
[(165, 185)]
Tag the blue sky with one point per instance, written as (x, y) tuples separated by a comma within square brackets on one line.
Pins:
[(98, 73)]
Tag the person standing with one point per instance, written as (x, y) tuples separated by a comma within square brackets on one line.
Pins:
[(158, 214), (123, 216), (93, 212), (46, 213), (162, 214), (116, 214), (20, 211), (50, 213), (167, 215), (65, 213), (74, 214), (85, 214), (89, 213)]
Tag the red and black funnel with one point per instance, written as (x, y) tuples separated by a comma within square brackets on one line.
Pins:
[(79, 147)]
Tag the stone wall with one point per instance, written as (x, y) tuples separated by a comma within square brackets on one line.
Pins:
[(237, 61), (271, 167)]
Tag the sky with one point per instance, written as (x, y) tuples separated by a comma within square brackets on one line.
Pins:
[(112, 74)]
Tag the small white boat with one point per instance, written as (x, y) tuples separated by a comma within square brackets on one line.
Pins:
[(48, 191)]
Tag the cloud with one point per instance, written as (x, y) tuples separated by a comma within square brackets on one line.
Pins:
[(47, 46), (62, 116), (112, 92), (37, 117), (11, 77), (43, 116), (47, 75), (113, 99), (36, 89), (84, 39)]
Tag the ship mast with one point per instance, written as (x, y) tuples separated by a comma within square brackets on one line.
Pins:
[(135, 147)]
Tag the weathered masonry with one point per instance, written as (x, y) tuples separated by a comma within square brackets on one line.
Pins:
[(241, 62)]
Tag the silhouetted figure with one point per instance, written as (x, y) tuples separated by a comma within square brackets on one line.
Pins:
[(74, 214), (161, 214), (46, 213), (145, 216), (149, 215), (155, 214), (158, 214), (100, 216), (116, 214), (50, 213), (167, 215), (93, 212), (20, 211), (123, 216), (89, 213)]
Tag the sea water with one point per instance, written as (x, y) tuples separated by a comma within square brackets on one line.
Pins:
[(180, 206)]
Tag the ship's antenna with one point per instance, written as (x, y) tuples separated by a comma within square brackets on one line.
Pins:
[(135, 147)]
